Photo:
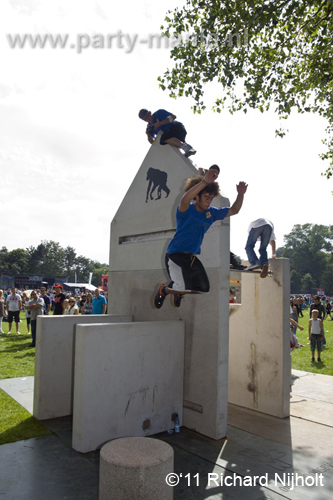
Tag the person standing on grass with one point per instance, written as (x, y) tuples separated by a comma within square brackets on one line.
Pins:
[(316, 335), (25, 300), (47, 300), (321, 313), (2, 309), (36, 308), (73, 308), (59, 299), (13, 307), (194, 217), (88, 305), (99, 303)]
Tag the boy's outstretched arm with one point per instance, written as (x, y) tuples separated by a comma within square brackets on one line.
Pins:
[(210, 177), (235, 208)]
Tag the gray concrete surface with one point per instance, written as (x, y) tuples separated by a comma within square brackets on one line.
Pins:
[(128, 381), (256, 445)]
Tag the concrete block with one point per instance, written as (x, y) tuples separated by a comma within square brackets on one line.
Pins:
[(135, 468), (139, 241), (128, 381), (54, 362), (259, 353)]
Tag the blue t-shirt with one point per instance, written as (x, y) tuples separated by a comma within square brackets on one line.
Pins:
[(191, 228), (159, 116), (98, 303)]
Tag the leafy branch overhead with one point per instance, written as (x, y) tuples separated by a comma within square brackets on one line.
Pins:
[(263, 53)]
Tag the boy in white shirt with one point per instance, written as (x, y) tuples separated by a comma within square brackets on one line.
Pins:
[(316, 335)]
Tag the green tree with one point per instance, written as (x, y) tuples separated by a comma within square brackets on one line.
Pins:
[(327, 279), (295, 281), (3, 260), (307, 283), (262, 53), (309, 248), (17, 261), (98, 270), (47, 258), (69, 261), (83, 267)]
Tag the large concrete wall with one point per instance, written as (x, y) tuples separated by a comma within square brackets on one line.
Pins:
[(128, 381), (140, 233), (259, 350), (54, 362)]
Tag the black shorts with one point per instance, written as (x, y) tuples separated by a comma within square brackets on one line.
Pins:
[(177, 130), (186, 273), (13, 315), (28, 320)]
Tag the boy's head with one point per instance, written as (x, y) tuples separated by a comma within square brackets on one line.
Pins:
[(315, 313), (145, 115), (213, 188)]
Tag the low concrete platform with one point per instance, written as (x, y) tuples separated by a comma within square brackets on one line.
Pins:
[(275, 450)]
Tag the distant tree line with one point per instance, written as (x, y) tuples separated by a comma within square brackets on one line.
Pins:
[(309, 248), (51, 258)]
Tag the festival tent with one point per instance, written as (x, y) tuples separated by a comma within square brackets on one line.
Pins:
[(80, 286)]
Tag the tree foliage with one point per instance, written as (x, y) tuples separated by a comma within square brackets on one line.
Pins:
[(262, 53), (49, 258), (309, 248)]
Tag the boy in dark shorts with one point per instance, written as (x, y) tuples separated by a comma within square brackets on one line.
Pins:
[(174, 132), (194, 218)]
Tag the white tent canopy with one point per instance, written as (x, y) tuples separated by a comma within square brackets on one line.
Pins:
[(87, 286)]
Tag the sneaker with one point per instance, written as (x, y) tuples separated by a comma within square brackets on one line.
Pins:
[(319, 360), (312, 360), (18, 333), (253, 267), (160, 296), (176, 299), (264, 271), (189, 151)]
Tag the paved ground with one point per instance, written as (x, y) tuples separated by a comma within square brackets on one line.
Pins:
[(276, 450)]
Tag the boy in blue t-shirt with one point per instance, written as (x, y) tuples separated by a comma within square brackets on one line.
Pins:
[(186, 272), (174, 132)]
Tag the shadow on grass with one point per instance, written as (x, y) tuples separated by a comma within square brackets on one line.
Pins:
[(14, 348), (27, 429)]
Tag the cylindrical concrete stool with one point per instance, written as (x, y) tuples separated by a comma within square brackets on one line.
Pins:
[(135, 468)]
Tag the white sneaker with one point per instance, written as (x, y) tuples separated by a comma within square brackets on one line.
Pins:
[(189, 151)]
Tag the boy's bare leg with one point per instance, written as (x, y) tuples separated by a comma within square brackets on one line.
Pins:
[(173, 141)]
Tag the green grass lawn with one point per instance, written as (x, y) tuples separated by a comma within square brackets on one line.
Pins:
[(301, 357), (17, 359)]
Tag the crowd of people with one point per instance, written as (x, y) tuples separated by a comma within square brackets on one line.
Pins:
[(45, 301)]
